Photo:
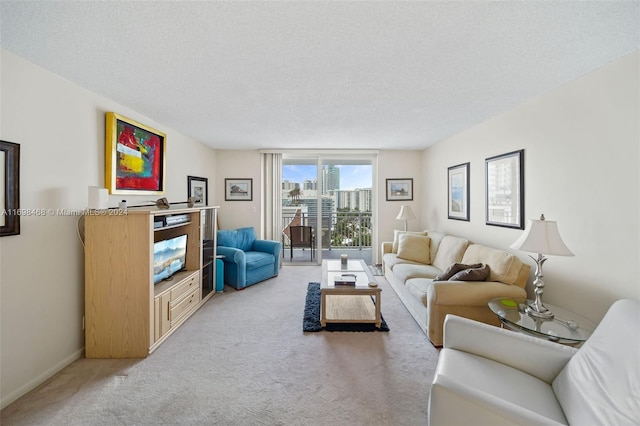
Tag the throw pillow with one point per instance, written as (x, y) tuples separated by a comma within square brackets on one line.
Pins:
[(396, 236), (472, 274), (453, 269), (414, 247)]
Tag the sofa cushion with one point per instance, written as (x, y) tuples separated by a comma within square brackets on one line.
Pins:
[(404, 271), (436, 239), (454, 269), (503, 267), (396, 238), (450, 251), (480, 273), (414, 247), (418, 288), (390, 260)]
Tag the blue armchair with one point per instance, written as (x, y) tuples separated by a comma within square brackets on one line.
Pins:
[(247, 260)]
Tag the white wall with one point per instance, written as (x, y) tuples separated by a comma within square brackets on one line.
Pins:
[(398, 165), (581, 145), (241, 164), (61, 131)]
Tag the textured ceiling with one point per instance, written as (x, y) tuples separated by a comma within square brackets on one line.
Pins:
[(369, 75)]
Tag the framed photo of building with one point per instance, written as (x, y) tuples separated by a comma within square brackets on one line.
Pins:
[(504, 176), (400, 189), (458, 192), (238, 189)]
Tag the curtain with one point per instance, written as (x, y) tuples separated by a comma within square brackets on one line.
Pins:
[(271, 221)]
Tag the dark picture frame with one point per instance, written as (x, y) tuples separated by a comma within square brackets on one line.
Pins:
[(135, 157), (504, 179), (238, 189), (198, 187), (400, 189), (10, 208), (458, 192)]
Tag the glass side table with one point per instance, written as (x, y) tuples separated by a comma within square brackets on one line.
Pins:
[(566, 327)]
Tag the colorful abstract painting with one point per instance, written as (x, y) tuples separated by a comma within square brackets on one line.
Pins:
[(136, 153)]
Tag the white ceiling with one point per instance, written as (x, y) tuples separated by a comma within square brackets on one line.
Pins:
[(323, 74)]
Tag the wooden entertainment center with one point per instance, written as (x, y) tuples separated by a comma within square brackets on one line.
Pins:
[(126, 314)]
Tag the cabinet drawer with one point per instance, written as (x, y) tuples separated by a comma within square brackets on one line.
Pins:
[(185, 286), (185, 305)]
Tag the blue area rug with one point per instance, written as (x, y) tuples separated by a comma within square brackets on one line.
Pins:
[(311, 320)]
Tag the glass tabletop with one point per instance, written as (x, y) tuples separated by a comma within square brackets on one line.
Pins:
[(333, 270), (566, 327)]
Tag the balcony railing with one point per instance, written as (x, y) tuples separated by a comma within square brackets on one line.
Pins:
[(339, 230)]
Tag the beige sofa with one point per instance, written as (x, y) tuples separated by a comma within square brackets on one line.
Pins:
[(411, 262)]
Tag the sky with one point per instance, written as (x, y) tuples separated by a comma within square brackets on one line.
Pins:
[(351, 177)]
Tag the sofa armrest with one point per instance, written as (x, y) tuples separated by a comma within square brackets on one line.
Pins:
[(268, 246), (534, 356), (386, 247), (231, 254)]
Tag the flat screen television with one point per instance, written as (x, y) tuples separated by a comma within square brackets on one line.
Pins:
[(169, 257)]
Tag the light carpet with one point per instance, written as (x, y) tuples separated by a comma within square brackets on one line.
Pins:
[(242, 359)]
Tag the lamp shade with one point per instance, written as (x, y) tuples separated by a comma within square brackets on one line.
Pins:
[(405, 213), (542, 236)]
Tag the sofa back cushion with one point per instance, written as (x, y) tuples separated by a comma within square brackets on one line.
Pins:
[(504, 267), (241, 238), (436, 239), (450, 251), (599, 385), (415, 248)]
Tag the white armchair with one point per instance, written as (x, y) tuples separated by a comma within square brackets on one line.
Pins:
[(491, 376)]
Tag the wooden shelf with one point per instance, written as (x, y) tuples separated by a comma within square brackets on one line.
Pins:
[(126, 315)]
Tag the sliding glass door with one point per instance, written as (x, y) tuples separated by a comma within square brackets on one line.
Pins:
[(328, 207)]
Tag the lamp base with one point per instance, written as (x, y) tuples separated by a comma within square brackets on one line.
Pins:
[(538, 311)]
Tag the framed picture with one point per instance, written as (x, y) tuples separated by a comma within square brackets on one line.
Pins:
[(198, 187), (400, 189), (505, 190), (458, 198), (9, 188), (135, 157), (238, 189)]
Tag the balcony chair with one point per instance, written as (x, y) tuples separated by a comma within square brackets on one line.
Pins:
[(492, 376), (301, 237), (247, 260)]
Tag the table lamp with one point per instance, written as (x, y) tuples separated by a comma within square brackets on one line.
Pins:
[(405, 214), (542, 237)]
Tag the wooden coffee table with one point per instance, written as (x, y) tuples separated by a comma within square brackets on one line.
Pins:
[(349, 304)]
